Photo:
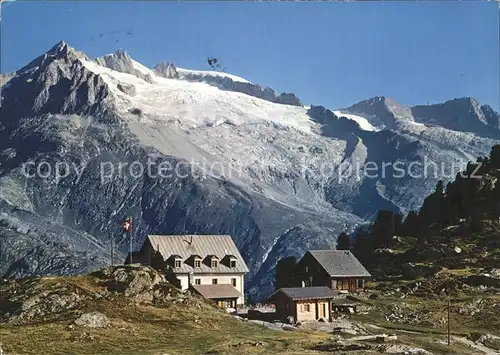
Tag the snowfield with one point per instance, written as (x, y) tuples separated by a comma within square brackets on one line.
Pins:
[(363, 123)]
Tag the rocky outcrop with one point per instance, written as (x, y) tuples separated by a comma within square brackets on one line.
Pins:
[(167, 70), (133, 281), (121, 62), (36, 302), (412, 271), (30, 301), (255, 90), (382, 112), (288, 98), (4, 78), (127, 89)]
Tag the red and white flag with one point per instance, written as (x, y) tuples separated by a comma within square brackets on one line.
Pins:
[(127, 225)]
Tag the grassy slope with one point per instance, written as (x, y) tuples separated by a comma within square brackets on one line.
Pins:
[(145, 329)]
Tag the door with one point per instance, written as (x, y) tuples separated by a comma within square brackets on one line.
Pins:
[(352, 285)]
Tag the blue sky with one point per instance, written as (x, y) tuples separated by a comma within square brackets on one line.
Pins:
[(330, 53)]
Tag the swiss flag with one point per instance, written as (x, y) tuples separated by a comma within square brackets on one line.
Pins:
[(127, 225)]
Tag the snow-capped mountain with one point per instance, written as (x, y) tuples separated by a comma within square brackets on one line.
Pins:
[(262, 167)]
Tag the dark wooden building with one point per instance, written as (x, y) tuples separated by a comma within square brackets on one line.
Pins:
[(339, 270), (300, 304)]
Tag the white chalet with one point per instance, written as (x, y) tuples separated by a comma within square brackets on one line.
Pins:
[(208, 264)]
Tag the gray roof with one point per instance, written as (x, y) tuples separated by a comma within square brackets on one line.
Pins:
[(186, 246), (340, 263), (303, 293), (221, 291)]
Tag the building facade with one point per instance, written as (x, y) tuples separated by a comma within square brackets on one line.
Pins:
[(224, 295), (198, 260), (339, 270), (300, 304)]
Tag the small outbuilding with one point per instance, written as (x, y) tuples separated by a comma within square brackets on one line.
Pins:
[(298, 304)]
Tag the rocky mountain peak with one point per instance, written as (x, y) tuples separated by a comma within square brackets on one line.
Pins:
[(381, 111), (120, 53), (56, 82), (61, 48), (59, 54), (491, 116), (120, 61), (461, 114)]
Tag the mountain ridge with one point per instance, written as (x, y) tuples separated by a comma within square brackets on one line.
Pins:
[(262, 171)]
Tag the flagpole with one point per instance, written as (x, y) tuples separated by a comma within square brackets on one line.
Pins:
[(130, 236), (111, 250)]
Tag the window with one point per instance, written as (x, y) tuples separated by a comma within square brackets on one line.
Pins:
[(233, 282), (308, 307), (197, 281), (307, 269), (232, 263), (214, 263), (214, 281), (177, 263), (197, 263), (301, 308)]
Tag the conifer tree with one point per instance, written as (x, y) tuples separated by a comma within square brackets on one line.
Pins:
[(362, 246), (286, 269), (494, 161), (343, 242), (382, 230)]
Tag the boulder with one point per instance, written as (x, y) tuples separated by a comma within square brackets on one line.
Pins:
[(92, 320)]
